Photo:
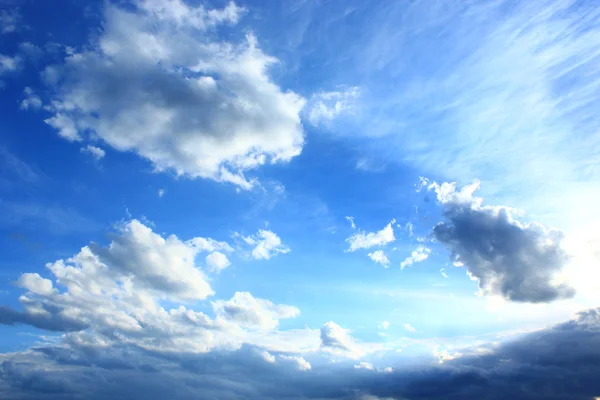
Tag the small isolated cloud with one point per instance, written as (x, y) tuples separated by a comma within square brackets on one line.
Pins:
[(250, 312), (409, 328), (265, 243), (384, 325), (363, 240), (420, 254), (379, 257), (9, 64), (518, 261), (31, 101), (364, 365), (161, 192), (351, 220), (188, 100), (443, 272), (217, 261), (94, 151), (9, 20), (324, 107)]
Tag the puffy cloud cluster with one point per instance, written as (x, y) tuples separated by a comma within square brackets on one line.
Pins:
[(158, 82), (519, 261), (110, 297)]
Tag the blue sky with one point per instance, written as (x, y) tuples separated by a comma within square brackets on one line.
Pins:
[(342, 193)]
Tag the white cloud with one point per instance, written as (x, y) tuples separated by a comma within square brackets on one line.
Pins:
[(9, 64), (265, 243), (250, 312), (159, 82), (384, 325), (420, 254), (409, 328), (161, 192), (443, 272), (363, 240), (217, 261), (338, 341), (94, 151), (65, 127), (379, 257), (31, 101), (299, 362), (36, 284), (326, 106), (265, 355), (351, 220), (364, 365), (9, 20)]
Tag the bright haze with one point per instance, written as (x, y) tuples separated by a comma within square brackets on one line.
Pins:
[(299, 199)]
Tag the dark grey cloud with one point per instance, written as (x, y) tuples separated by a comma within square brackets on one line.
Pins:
[(558, 363), (516, 260)]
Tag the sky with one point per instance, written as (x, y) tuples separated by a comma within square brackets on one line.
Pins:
[(301, 199)]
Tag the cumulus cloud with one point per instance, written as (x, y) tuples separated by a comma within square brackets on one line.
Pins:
[(420, 254), (9, 20), (94, 151), (158, 81), (217, 261), (31, 101), (338, 341), (365, 365), (265, 244), (379, 257), (9, 64), (363, 240), (250, 312), (519, 261), (409, 328), (326, 106)]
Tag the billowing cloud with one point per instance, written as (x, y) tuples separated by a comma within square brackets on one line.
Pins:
[(363, 240), (379, 257), (338, 341), (158, 82), (519, 261), (250, 312), (420, 254)]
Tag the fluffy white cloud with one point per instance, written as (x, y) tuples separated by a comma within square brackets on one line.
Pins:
[(158, 81), (421, 253), (217, 261), (326, 106), (265, 243), (94, 151), (338, 341), (9, 64), (36, 284), (31, 101), (250, 312), (363, 240), (379, 257), (519, 261), (161, 192), (409, 328)]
